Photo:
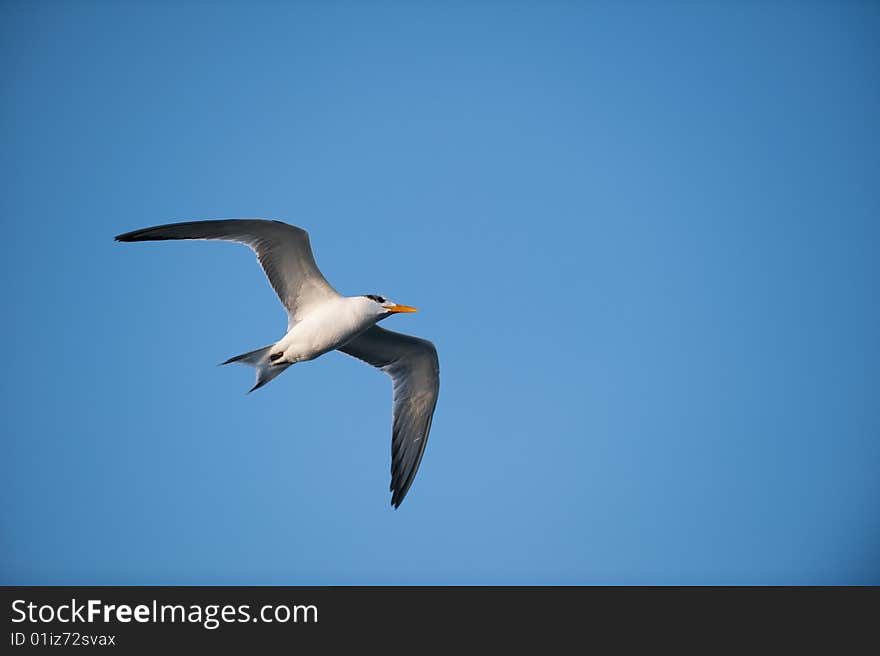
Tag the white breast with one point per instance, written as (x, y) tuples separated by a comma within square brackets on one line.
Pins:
[(325, 328)]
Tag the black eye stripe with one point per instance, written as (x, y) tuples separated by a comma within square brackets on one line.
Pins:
[(374, 297)]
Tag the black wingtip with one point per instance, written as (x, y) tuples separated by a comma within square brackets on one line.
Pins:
[(139, 235), (128, 236), (156, 233)]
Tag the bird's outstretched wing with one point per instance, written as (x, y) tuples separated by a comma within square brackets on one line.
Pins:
[(283, 250), (415, 373)]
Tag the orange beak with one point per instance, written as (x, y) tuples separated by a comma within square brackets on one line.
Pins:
[(400, 308)]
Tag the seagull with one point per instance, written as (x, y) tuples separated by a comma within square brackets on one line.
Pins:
[(321, 320)]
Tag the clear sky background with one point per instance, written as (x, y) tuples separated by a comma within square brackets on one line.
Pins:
[(644, 238)]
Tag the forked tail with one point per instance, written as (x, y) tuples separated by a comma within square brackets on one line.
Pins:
[(259, 359)]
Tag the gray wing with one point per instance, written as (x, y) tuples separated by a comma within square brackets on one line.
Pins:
[(414, 368), (283, 250)]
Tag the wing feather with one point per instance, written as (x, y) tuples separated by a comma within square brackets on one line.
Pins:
[(414, 368), (283, 250)]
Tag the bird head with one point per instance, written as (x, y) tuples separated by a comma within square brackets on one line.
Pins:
[(385, 306)]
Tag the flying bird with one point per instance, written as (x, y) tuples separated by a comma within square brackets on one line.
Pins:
[(321, 320)]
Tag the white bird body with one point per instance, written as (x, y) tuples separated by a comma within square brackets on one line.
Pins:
[(321, 320), (326, 327)]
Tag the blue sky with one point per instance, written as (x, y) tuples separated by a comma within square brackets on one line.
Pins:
[(643, 238)]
